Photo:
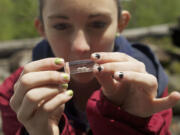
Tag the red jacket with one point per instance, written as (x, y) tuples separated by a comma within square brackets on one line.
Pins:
[(104, 118)]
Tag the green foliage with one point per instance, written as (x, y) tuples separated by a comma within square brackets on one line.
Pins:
[(25, 12), (175, 67), (6, 7), (151, 12), (17, 16)]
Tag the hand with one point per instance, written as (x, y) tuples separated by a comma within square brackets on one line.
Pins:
[(39, 96), (126, 83)]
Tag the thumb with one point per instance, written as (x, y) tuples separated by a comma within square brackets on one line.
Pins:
[(166, 102)]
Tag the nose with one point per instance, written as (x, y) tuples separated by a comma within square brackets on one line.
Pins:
[(79, 43)]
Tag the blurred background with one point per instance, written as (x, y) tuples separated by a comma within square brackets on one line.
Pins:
[(153, 22)]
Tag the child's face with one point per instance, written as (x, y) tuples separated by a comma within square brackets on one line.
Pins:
[(77, 28)]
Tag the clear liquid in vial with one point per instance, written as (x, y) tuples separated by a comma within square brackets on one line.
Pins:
[(79, 66)]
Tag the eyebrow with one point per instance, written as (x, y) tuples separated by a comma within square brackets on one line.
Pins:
[(99, 15), (56, 16)]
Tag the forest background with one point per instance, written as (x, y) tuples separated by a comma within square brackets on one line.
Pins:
[(17, 16)]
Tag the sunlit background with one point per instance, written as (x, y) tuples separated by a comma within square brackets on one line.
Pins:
[(153, 22), (17, 15)]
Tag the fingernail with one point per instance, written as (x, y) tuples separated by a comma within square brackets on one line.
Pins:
[(59, 61), (96, 56), (100, 68), (69, 93), (64, 86), (66, 76), (119, 74)]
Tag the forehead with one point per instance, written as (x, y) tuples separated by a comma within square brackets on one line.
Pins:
[(80, 6)]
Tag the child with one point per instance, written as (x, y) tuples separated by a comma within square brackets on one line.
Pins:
[(123, 95)]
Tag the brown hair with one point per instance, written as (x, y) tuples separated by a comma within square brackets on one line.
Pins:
[(42, 3)]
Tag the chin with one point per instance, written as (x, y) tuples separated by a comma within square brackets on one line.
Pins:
[(83, 77)]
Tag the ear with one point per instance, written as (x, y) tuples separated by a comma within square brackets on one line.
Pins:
[(123, 21), (39, 27)]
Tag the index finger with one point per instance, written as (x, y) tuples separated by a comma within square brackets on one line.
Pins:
[(43, 65), (104, 57)]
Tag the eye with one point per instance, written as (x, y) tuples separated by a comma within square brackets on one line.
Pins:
[(61, 26), (98, 24)]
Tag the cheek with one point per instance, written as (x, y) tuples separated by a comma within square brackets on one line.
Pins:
[(58, 43), (108, 38), (58, 47), (106, 43)]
